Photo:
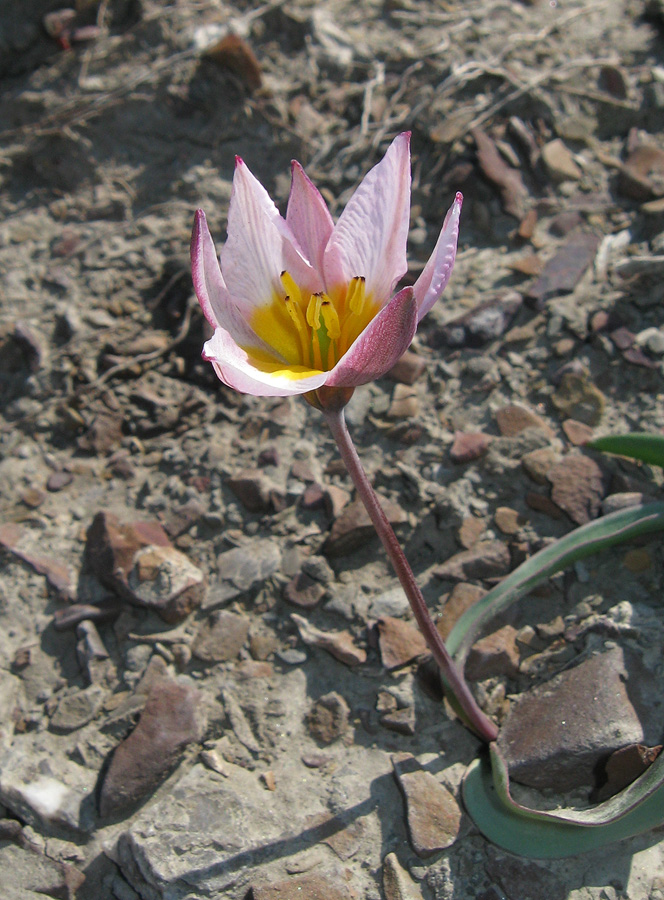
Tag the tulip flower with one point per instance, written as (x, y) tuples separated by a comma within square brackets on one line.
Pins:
[(301, 304)]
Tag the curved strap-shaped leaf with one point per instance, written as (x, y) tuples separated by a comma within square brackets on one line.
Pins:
[(564, 832), (588, 539), (648, 448)]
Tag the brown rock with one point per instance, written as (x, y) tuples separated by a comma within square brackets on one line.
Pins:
[(507, 180), (328, 719), (513, 419), (302, 887), (469, 445), (577, 433), (433, 815), (556, 733), (353, 527), (304, 591), (339, 644), (335, 499), (399, 642), (625, 766), (536, 463), (397, 883), (59, 480), (220, 637), (57, 573), (400, 720), (254, 490), (577, 487), (235, 54), (578, 398), (495, 654), (562, 273), (405, 404), (163, 579), (408, 369), (523, 880), (508, 520), (559, 163), (169, 722), (470, 531), (461, 598), (542, 503), (486, 559)]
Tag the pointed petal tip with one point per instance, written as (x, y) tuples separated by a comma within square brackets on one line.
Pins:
[(238, 161), (458, 199)]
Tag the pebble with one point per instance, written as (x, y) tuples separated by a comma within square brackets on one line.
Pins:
[(306, 887), (577, 433), (486, 559), (408, 369), (495, 654), (77, 709), (169, 722), (470, 531), (243, 570), (399, 642), (351, 530), (537, 463), (432, 813), (221, 637), (461, 598), (513, 419), (304, 591), (59, 480), (400, 720), (623, 500), (521, 879), (338, 644), (578, 398), (405, 404), (543, 504), (390, 603), (558, 161), (255, 491), (469, 445), (327, 720), (508, 520), (397, 883), (624, 766), (565, 269), (484, 323), (556, 733), (577, 487)]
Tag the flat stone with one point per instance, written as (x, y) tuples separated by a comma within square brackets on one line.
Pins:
[(335, 499), (255, 491), (508, 520), (461, 598), (221, 637), (169, 723), (353, 528), (30, 875), (469, 445), (400, 720), (486, 559), (77, 709), (565, 269), (577, 433), (59, 480), (578, 398), (243, 570), (513, 419), (555, 734), (390, 603), (399, 642), (433, 815), (405, 404), (339, 644), (304, 591), (408, 369), (521, 879), (542, 503), (577, 487), (397, 883), (624, 766), (328, 718), (481, 325), (306, 887), (559, 163), (536, 463), (495, 654)]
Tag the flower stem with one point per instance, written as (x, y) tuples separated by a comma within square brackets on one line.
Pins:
[(452, 676)]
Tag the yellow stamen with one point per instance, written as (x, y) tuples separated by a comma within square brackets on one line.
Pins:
[(317, 356), (331, 319), (292, 290), (356, 295), (297, 316), (313, 311)]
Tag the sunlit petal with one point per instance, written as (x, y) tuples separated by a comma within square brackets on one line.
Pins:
[(370, 237), (435, 275), (308, 216), (209, 283)]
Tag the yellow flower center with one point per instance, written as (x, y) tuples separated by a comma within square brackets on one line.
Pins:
[(311, 332)]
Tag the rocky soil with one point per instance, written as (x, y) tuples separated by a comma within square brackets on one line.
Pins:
[(210, 684)]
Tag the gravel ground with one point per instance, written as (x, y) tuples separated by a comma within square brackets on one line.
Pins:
[(210, 685)]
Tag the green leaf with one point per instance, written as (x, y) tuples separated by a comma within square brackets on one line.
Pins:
[(563, 832), (584, 541), (648, 448)]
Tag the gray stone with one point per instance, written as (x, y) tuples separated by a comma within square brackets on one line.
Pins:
[(243, 569), (486, 559), (555, 734), (77, 709), (433, 814), (220, 637), (30, 875)]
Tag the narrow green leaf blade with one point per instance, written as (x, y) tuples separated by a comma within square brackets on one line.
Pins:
[(648, 448), (565, 832), (600, 534)]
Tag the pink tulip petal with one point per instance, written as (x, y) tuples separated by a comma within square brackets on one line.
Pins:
[(235, 367), (370, 237), (383, 341), (260, 246), (435, 275), (209, 283), (308, 216)]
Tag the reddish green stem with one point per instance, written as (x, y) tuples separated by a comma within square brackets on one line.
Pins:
[(452, 676)]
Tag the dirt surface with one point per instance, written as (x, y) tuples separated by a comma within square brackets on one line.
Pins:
[(232, 697)]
